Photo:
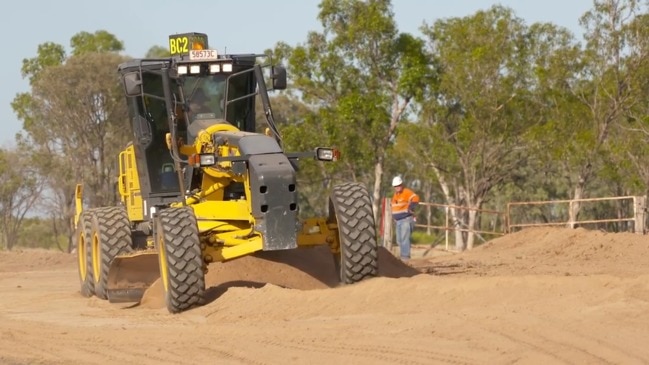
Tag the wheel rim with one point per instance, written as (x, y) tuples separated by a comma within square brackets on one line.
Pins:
[(96, 257), (81, 252), (162, 254)]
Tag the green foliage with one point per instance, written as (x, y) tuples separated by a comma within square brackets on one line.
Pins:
[(38, 233), (19, 191), (476, 134), (359, 76), (74, 120), (506, 104), (495, 103), (48, 54), (23, 107), (157, 52), (475, 113), (99, 42), (86, 85), (420, 237)]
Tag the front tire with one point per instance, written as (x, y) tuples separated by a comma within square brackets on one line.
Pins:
[(351, 209), (181, 260), (111, 236)]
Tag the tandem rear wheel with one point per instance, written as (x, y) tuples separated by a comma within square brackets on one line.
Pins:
[(83, 236), (110, 237)]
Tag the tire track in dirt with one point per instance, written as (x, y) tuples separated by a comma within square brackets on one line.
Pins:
[(70, 328), (543, 346), (295, 339), (232, 356), (57, 344), (540, 300), (385, 354), (559, 343)]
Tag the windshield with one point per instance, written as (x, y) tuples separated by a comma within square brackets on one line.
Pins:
[(206, 99), (205, 96)]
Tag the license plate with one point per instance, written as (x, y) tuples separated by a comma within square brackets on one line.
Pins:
[(203, 55)]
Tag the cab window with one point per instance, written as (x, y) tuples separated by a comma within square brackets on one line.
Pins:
[(206, 98)]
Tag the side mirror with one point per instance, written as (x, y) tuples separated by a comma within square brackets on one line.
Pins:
[(132, 84), (278, 75), (143, 133)]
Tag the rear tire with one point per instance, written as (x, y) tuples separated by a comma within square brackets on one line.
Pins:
[(181, 260), (350, 207), (111, 236), (83, 236)]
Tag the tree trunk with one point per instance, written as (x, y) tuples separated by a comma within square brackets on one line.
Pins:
[(457, 224), (376, 191), (397, 112), (9, 236), (428, 192), (472, 226), (5, 240), (455, 217), (575, 206), (10, 225)]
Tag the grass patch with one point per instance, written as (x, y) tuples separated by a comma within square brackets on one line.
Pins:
[(422, 238)]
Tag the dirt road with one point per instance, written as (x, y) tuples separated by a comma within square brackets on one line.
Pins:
[(540, 296)]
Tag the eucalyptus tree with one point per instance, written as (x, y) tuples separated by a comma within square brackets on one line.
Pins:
[(604, 91), (555, 138), (359, 75), (74, 118), (634, 127), (20, 189), (100, 41), (157, 52), (472, 132)]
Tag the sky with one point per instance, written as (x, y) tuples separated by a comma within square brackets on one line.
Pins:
[(250, 26)]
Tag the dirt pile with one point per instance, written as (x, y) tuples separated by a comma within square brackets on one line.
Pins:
[(302, 269), (556, 251), (537, 296), (35, 259)]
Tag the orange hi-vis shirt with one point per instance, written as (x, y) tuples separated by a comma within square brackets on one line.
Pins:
[(404, 203)]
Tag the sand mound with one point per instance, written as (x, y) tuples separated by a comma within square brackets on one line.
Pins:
[(560, 251), (523, 298), (36, 259), (302, 269)]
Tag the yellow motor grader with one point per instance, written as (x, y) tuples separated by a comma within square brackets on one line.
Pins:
[(199, 183)]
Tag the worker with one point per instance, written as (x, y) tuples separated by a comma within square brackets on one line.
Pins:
[(199, 103), (404, 202)]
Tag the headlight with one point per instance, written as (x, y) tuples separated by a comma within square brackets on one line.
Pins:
[(227, 67), (207, 159), (182, 70), (327, 154), (215, 68), (195, 69)]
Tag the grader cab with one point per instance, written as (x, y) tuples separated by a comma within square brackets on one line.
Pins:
[(200, 183)]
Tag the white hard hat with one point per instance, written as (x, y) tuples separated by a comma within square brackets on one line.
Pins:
[(397, 181)]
